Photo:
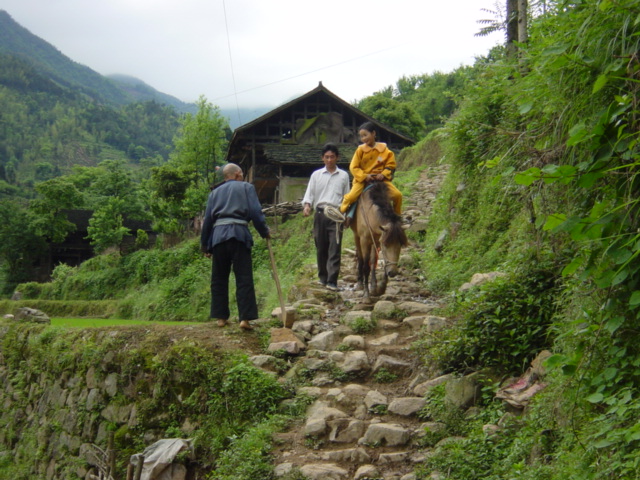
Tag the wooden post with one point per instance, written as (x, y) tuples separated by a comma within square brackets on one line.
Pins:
[(139, 468), (111, 456), (130, 471)]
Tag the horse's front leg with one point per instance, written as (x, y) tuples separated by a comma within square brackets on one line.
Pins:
[(360, 272), (366, 270), (373, 260), (359, 265)]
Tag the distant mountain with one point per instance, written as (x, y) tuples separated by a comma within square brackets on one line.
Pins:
[(141, 91), (239, 116), (50, 63)]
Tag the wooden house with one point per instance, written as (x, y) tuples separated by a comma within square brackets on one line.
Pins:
[(76, 247), (279, 150)]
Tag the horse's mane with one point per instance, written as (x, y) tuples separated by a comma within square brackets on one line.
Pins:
[(379, 196)]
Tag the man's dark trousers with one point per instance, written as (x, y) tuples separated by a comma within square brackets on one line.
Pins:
[(327, 247), (226, 255)]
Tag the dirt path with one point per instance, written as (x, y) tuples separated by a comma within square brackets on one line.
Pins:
[(364, 380)]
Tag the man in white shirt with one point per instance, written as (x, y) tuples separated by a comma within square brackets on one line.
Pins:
[(327, 186)]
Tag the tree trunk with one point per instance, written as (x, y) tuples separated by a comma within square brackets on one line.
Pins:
[(523, 34), (512, 27)]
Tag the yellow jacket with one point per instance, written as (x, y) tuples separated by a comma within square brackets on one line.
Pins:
[(367, 160)]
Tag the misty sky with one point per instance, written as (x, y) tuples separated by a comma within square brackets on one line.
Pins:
[(275, 50)]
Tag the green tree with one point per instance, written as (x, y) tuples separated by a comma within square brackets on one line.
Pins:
[(106, 227), (201, 143), (399, 115), (180, 188), (54, 197), (20, 245)]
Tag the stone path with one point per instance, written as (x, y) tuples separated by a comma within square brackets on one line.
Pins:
[(367, 386)]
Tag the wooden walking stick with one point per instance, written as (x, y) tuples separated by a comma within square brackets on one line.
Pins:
[(283, 311)]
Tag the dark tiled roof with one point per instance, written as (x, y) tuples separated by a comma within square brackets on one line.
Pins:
[(319, 89), (303, 154), (80, 218)]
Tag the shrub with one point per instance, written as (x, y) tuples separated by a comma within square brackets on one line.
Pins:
[(503, 324), (363, 325)]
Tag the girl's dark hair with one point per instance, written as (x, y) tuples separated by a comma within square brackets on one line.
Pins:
[(368, 126)]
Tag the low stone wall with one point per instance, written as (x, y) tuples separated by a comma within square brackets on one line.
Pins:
[(64, 392)]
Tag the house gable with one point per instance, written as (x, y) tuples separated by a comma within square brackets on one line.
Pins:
[(286, 143)]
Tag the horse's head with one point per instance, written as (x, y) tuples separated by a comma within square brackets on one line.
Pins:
[(392, 240)]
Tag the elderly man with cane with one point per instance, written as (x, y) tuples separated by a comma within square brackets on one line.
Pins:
[(226, 238)]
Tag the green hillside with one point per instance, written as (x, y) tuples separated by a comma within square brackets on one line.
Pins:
[(49, 62)]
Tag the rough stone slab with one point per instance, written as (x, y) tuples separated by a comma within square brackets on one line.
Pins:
[(433, 323), (111, 384), (387, 458), (384, 308), (463, 392), (354, 341), (336, 356), (306, 301), (117, 414), (389, 325), (321, 409), (415, 322), (93, 399), (366, 472), (292, 348), (322, 341), (406, 406), (266, 362), (345, 430), (282, 469), (314, 392), (353, 315), (315, 427), (431, 427), (391, 339), (423, 388), (303, 326), (393, 365), (31, 315), (416, 308), (321, 380), (356, 455), (385, 434), (289, 314), (478, 279), (327, 471), (355, 362), (349, 397), (375, 398), (314, 363), (284, 338)]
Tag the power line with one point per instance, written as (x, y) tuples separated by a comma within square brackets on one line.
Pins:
[(305, 73), (233, 76)]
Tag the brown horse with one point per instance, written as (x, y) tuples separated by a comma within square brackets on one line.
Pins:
[(377, 228)]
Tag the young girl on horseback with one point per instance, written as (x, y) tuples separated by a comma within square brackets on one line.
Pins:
[(372, 162)]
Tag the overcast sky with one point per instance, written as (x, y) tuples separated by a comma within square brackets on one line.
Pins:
[(256, 53)]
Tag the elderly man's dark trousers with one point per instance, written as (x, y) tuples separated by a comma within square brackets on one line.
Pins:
[(225, 256), (327, 247)]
